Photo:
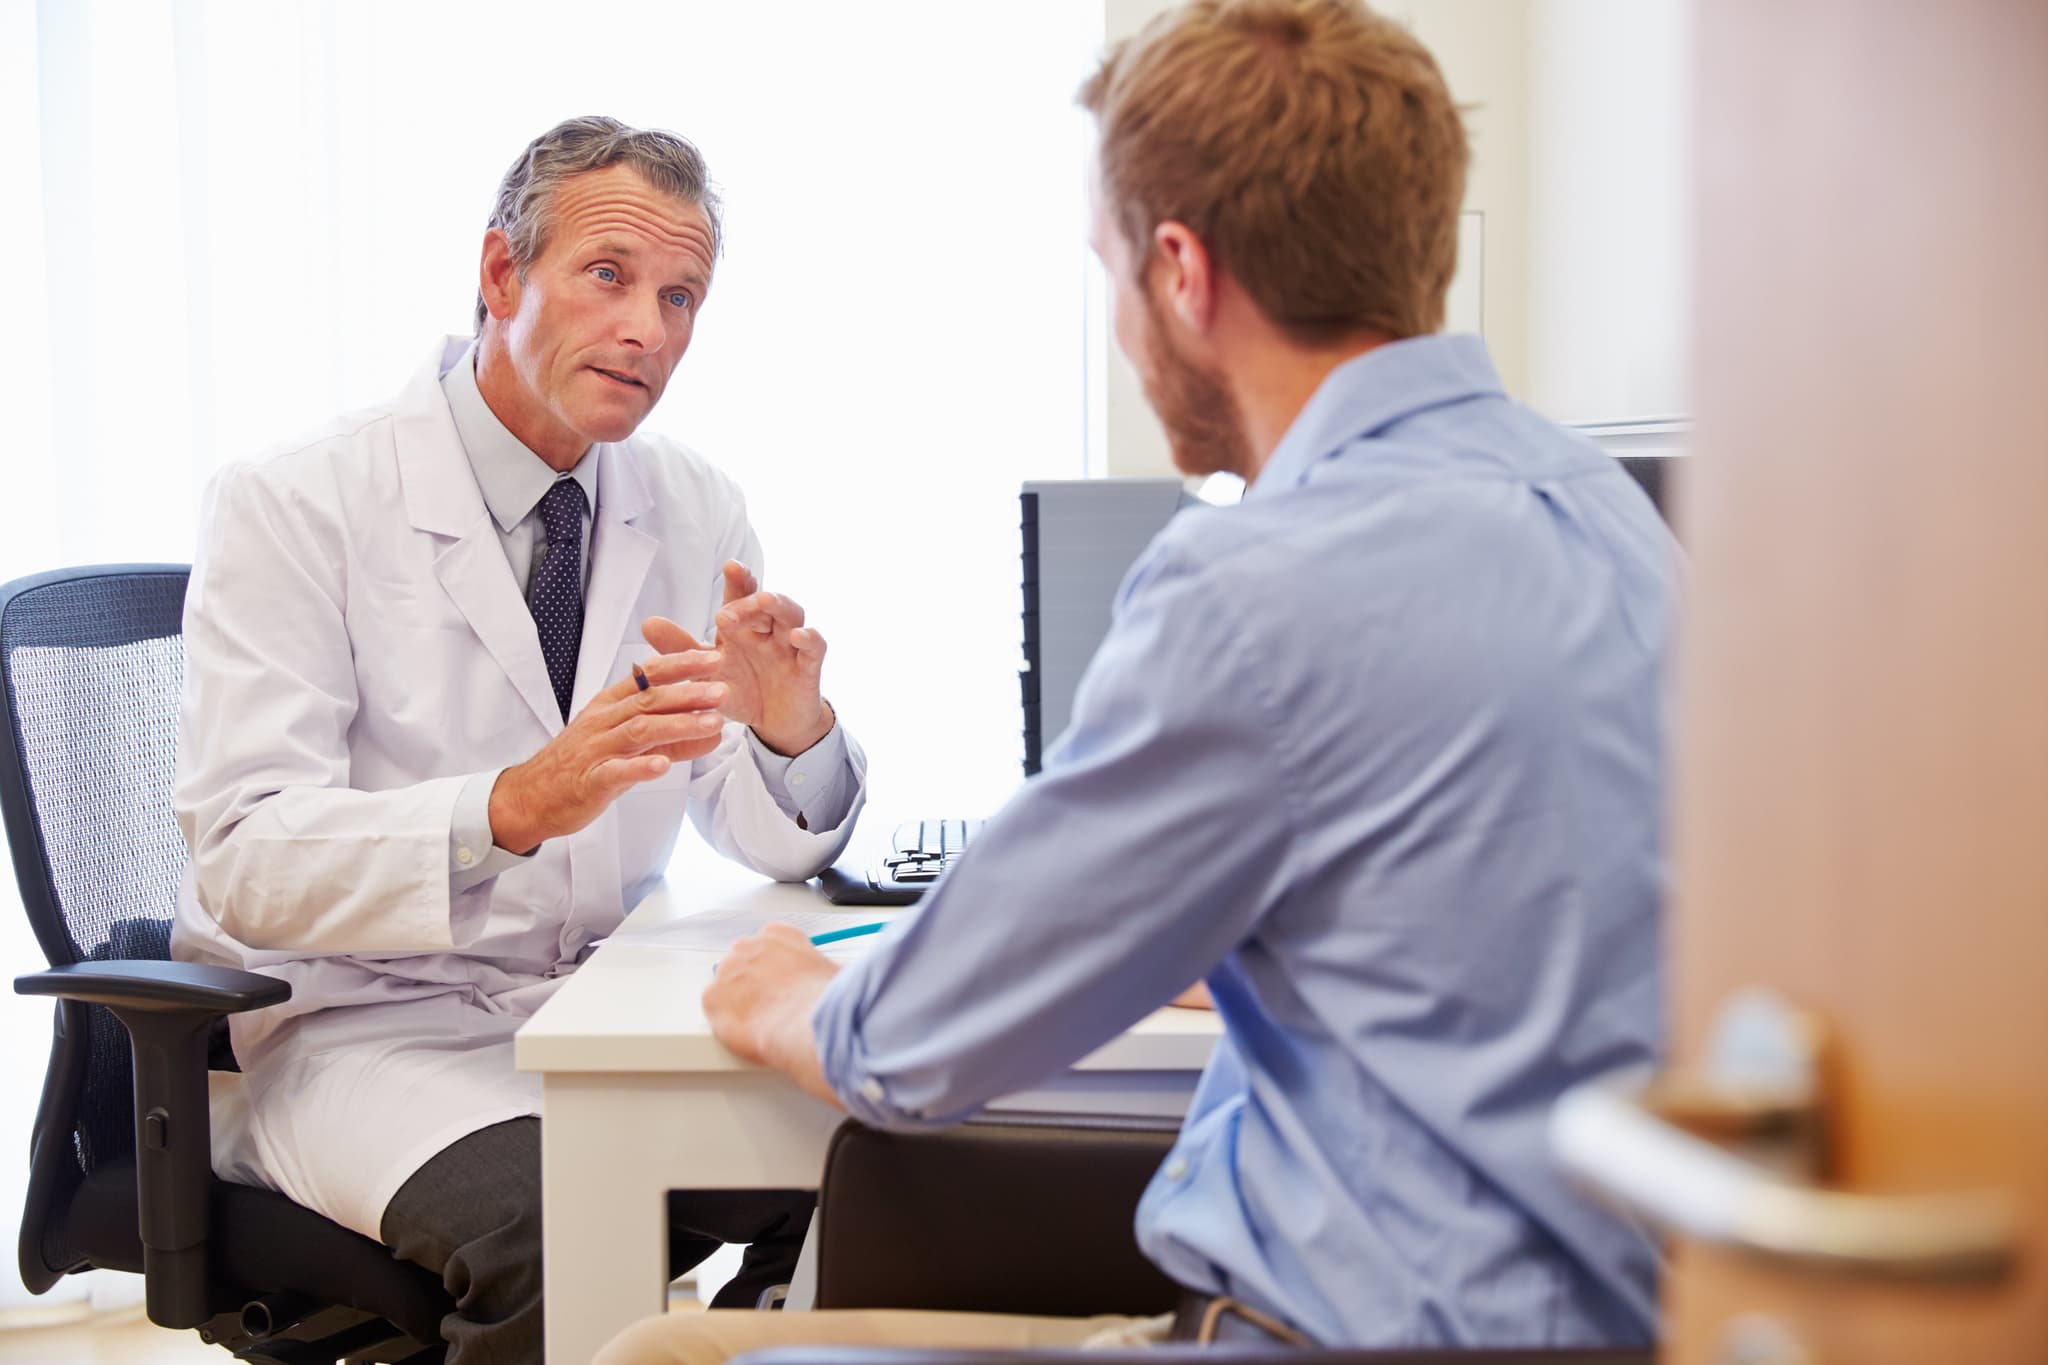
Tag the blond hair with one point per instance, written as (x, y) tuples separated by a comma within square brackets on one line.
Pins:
[(1313, 147)]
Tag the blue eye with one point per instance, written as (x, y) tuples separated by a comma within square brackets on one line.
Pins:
[(606, 273), (679, 299)]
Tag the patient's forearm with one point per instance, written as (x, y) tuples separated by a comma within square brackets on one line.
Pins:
[(793, 1050)]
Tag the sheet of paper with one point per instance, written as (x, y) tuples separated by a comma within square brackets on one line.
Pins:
[(713, 931)]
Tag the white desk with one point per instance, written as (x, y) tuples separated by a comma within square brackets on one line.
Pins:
[(639, 1099)]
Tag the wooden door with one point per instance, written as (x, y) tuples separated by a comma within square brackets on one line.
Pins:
[(1861, 807)]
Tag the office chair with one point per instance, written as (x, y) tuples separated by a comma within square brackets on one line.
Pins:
[(1028, 1215), (121, 1175), (1016, 1214)]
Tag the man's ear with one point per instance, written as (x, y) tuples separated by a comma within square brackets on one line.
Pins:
[(498, 275), (1187, 275)]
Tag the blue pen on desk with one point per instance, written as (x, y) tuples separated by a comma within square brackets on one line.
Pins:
[(820, 940)]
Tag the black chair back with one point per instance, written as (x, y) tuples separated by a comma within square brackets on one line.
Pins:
[(91, 664)]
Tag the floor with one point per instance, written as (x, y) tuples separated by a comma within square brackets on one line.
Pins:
[(123, 1338), (126, 1337)]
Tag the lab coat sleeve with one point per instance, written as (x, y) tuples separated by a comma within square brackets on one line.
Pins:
[(734, 802), (286, 855)]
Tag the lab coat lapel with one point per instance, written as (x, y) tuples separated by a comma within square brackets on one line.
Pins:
[(442, 498), (620, 554)]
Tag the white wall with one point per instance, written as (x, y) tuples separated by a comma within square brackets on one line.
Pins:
[(1124, 437), (1576, 111), (1480, 45), (1609, 244)]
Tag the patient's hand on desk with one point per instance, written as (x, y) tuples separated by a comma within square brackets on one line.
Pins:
[(1195, 997), (760, 1001)]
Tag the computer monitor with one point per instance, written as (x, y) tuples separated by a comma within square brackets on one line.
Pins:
[(1080, 537), (1654, 473)]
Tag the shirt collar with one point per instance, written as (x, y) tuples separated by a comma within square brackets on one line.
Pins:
[(512, 477), (1369, 393)]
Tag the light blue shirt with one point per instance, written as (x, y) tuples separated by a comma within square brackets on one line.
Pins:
[(814, 788), (1378, 753)]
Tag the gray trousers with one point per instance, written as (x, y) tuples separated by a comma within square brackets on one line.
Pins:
[(472, 1216)]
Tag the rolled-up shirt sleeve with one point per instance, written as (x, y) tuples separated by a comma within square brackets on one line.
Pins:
[(1157, 834)]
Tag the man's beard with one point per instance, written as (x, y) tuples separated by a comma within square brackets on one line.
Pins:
[(1204, 428)]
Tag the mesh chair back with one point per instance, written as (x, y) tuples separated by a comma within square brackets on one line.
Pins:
[(92, 662)]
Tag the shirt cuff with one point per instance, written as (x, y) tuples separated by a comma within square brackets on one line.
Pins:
[(835, 1029), (473, 856), (816, 787)]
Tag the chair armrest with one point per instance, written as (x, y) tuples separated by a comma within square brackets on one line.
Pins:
[(156, 987), (994, 1217), (168, 1009), (1186, 1353)]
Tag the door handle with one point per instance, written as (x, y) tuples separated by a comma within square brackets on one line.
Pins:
[(1648, 1149)]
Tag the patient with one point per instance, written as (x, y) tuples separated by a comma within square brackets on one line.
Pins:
[(1374, 753)]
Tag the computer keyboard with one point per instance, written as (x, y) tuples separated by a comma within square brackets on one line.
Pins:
[(919, 851)]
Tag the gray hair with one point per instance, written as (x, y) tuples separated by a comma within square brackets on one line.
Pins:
[(524, 208)]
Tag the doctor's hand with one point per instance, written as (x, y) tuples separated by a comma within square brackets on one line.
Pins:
[(769, 661), (760, 1001), (624, 737)]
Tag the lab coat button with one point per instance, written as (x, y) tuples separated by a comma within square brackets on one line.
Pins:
[(871, 1090), (796, 780), (464, 856)]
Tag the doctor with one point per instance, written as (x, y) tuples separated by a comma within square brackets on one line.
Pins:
[(417, 772)]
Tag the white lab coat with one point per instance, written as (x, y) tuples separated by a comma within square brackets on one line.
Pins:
[(356, 648)]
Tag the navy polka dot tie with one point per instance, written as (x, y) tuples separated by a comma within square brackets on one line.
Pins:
[(555, 596)]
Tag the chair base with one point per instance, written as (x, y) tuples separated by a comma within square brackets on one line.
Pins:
[(321, 1338)]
